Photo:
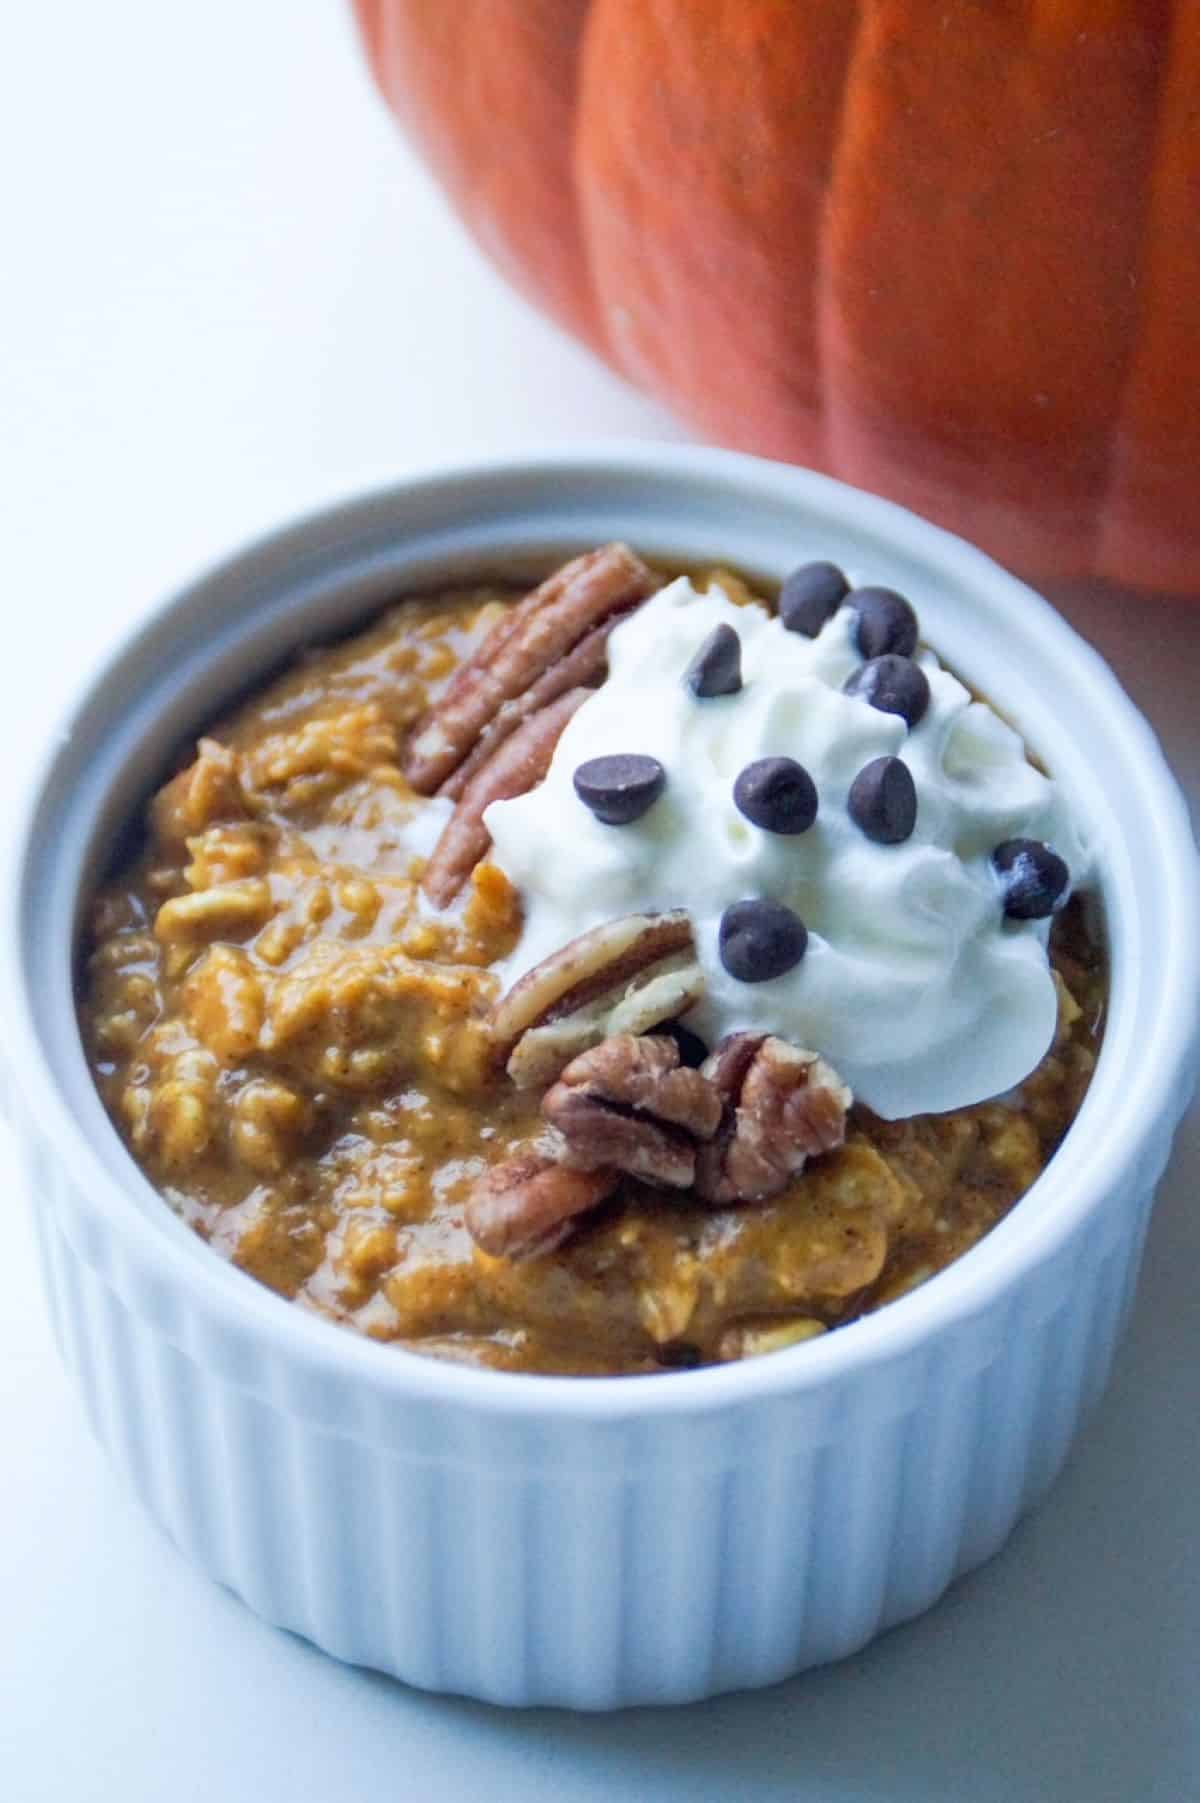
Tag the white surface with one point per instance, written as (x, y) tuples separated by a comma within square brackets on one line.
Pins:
[(227, 292)]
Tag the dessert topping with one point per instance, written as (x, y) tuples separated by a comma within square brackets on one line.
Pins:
[(759, 940), (629, 1104), (620, 787), (893, 684), (520, 761), (737, 1130), (716, 668), (583, 667), (527, 1204), (883, 801), (781, 1107), (777, 794), (915, 983), (1034, 878), (810, 596), (887, 624), (531, 639), (691, 1048), (625, 976)]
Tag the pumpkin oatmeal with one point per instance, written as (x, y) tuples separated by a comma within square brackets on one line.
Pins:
[(341, 1026)]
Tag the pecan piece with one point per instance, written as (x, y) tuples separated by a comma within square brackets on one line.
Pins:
[(521, 761), (623, 977), (584, 667), (628, 1104), (782, 1106), (527, 1204), (538, 632)]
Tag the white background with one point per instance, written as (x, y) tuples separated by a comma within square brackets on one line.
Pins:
[(226, 291)]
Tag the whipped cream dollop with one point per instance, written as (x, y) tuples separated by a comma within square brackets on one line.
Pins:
[(914, 984)]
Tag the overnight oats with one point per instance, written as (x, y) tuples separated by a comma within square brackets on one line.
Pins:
[(635, 974)]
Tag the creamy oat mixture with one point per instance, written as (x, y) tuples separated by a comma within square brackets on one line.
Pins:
[(298, 1004)]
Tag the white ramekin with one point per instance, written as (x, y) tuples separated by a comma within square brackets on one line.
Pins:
[(594, 1542)]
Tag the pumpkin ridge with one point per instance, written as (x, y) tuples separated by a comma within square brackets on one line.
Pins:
[(703, 242), (601, 340), (981, 248), (823, 263), (1148, 534), (1138, 279)]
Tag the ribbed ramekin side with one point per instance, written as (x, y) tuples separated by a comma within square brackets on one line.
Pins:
[(759, 1540), (1060, 1329)]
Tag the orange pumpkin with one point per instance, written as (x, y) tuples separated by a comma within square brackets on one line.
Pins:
[(947, 249)]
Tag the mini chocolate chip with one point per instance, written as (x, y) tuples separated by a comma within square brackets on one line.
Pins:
[(759, 940), (886, 622), (716, 668), (678, 1355), (810, 596), (895, 685), (883, 801), (619, 789), (691, 1048), (777, 794), (1034, 878)]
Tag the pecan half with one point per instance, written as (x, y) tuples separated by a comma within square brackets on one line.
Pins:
[(536, 634), (527, 1204), (782, 1106), (623, 977), (584, 667), (628, 1104), (521, 761)]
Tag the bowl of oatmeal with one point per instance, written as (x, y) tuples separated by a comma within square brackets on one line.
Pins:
[(594, 1040)]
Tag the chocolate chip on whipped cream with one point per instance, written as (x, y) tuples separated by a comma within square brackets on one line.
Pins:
[(917, 983), (716, 668), (810, 596), (886, 622), (620, 787), (883, 801), (760, 940), (893, 684), (1035, 879), (777, 794)]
